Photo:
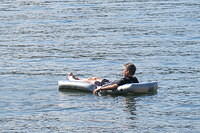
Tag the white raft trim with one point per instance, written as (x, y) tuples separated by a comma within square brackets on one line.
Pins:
[(139, 87), (147, 87), (75, 85)]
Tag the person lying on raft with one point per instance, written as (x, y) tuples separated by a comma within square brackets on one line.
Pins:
[(104, 84)]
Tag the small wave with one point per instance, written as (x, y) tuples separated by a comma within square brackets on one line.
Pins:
[(31, 73)]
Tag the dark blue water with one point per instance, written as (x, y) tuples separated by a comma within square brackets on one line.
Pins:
[(40, 41)]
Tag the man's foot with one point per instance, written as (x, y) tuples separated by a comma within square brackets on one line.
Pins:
[(71, 77)]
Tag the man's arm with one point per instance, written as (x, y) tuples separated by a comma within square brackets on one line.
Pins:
[(109, 87)]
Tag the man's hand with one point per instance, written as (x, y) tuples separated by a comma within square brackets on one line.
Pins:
[(96, 90)]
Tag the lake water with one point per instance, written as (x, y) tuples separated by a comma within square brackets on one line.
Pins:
[(42, 40)]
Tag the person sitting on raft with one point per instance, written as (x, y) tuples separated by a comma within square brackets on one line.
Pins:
[(104, 84)]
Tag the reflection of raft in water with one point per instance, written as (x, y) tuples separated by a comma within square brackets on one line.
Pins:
[(136, 88)]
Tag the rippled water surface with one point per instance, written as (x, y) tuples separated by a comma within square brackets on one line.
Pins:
[(42, 40)]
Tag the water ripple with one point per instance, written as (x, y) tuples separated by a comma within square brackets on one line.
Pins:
[(42, 40)]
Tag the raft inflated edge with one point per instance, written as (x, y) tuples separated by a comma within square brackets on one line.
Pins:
[(149, 87), (75, 85)]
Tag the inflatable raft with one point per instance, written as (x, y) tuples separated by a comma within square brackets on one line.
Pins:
[(136, 88)]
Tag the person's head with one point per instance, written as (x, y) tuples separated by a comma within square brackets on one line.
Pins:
[(129, 70)]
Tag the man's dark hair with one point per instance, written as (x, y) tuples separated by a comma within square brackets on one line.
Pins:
[(130, 67)]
